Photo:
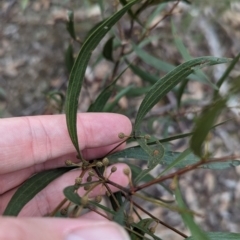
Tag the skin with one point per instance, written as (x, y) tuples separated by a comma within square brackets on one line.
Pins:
[(33, 144)]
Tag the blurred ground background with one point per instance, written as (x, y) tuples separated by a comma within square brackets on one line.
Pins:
[(32, 47)]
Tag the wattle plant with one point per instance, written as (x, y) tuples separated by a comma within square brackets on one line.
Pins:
[(124, 208)]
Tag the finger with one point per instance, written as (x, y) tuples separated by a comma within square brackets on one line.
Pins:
[(32, 140), (47, 200), (59, 229), (12, 179)]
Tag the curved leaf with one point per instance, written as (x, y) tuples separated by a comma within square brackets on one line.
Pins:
[(69, 59), (188, 218), (30, 188), (204, 124), (76, 199), (168, 158), (219, 236), (70, 24), (100, 102), (108, 49), (79, 68), (169, 81)]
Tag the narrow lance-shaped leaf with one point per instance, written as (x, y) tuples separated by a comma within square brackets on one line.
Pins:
[(219, 236), (108, 49), (72, 196), (142, 223), (69, 59), (70, 24), (165, 66), (103, 97), (187, 217), (30, 188), (145, 76), (169, 81), (155, 155), (79, 68), (204, 124), (119, 217), (110, 106), (144, 230), (180, 158), (226, 75)]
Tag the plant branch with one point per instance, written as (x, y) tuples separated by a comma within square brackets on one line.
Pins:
[(183, 171)]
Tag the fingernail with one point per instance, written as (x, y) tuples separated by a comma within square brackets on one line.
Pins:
[(99, 231)]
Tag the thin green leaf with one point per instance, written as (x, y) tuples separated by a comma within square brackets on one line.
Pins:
[(221, 165), (30, 188), (228, 70), (179, 44), (110, 106), (118, 197), (226, 74), (119, 217), (108, 49), (76, 199), (94, 28), (100, 102), (69, 59), (170, 80), (145, 230), (155, 155), (180, 158), (70, 24), (102, 8), (135, 91), (180, 91), (79, 68), (168, 159), (151, 60), (219, 236), (164, 66), (204, 124), (130, 12), (155, 14), (145, 76), (188, 218), (135, 170), (142, 223), (186, 56)]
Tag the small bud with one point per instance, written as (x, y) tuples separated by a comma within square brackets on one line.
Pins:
[(91, 173), (89, 179), (63, 211), (126, 171), (121, 135), (84, 200), (130, 219), (152, 229), (99, 164), (98, 199), (87, 187), (78, 180), (147, 137), (113, 169), (68, 163), (105, 161), (155, 152)]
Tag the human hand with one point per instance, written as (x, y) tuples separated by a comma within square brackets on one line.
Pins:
[(33, 144)]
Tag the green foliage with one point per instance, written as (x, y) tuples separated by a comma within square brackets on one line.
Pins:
[(149, 151), (30, 188)]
